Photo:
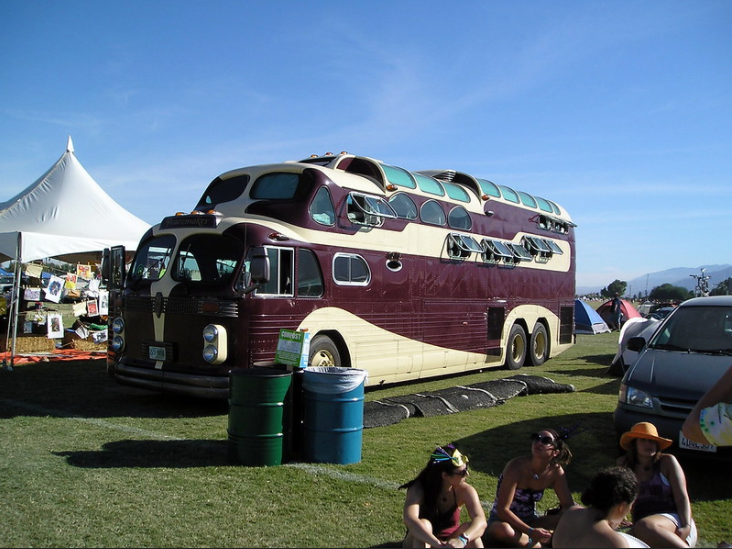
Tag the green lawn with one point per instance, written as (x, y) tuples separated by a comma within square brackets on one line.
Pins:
[(88, 463)]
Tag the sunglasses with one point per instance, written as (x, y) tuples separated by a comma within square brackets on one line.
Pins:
[(462, 473), (546, 440)]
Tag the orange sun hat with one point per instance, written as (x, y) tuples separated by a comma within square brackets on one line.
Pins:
[(644, 430)]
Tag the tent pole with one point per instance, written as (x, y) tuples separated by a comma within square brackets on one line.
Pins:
[(15, 303)]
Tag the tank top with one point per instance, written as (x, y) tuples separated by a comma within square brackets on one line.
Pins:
[(654, 496)]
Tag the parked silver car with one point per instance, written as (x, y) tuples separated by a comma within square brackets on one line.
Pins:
[(685, 355)]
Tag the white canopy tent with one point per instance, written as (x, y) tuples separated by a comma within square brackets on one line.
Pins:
[(63, 212)]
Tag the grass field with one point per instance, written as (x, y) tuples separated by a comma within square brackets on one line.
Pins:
[(87, 463)]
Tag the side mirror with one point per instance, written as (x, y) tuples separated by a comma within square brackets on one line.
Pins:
[(258, 273), (106, 267), (259, 266), (636, 344)]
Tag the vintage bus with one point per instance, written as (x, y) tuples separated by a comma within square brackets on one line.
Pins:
[(406, 275)]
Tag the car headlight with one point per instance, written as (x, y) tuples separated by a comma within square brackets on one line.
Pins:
[(634, 397)]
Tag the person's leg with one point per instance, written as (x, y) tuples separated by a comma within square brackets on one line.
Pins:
[(658, 531)]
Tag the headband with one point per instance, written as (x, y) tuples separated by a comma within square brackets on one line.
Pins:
[(452, 454)]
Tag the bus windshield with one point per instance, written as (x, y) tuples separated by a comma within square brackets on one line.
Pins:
[(152, 258), (207, 258)]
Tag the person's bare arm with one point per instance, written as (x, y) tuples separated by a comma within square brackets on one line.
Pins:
[(721, 391)]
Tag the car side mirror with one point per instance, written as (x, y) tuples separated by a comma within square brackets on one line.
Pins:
[(636, 344)]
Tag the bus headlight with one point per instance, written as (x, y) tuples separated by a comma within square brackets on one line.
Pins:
[(210, 354), (214, 344), (210, 333), (118, 325), (117, 344)]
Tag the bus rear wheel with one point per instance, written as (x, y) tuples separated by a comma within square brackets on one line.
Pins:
[(516, 348), (323, 352), (538, 345)]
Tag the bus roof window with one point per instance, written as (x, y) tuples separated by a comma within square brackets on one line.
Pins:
[(399, 176), (489, 188), (273, 186), (527, 199), (544, 204), (456, 192), (429, 185), (555, 208), (509, 194), (223, 190)]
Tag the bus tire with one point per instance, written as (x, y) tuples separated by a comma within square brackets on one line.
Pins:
[(516, 348), (323, 352), (538, 345)]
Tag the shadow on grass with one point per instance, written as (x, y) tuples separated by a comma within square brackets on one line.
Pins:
[(490, 450), (152, 453), (83, 389)]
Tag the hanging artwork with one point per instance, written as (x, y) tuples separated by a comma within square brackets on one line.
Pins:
[(55, 286), (70, 281), (103, 302), (92, 308), (84, 271), (79, 308), (55, 326), (32, 294)]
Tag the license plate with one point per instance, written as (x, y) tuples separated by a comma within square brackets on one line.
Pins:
[(687, 444), (156, 353)]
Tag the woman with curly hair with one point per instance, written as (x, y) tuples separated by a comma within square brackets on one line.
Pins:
[(513, 520), (608, 500), (434, 502)]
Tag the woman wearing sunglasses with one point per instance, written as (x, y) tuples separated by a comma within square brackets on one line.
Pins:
[(435, 499), (514, 520)]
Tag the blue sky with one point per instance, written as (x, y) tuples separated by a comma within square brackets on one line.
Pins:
[(620, 111)]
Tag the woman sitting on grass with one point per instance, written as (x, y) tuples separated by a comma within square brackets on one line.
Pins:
[(434, 501), (608, 498), (513, 520), (662, 512)]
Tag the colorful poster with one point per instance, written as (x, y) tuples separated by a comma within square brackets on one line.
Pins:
[(84, 271), (92, 308), (55, 287), (55, 326)]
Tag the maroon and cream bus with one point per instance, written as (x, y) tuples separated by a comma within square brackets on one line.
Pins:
[(406, 275)]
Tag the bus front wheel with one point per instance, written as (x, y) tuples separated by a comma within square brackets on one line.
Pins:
[(323, 352), (516, 351), (538, 345)]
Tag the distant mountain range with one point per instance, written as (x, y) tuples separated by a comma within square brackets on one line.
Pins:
[(679, 276)]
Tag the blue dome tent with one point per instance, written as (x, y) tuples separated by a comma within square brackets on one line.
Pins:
[(587, 320)]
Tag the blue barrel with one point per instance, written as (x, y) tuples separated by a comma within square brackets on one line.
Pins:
[(258, 417), (333, 414)]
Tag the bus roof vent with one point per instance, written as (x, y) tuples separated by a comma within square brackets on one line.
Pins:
[(444, 175)]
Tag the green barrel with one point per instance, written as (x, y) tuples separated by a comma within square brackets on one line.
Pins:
[(258, 416)]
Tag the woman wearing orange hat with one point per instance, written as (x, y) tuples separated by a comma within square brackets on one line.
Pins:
[(662, 511)]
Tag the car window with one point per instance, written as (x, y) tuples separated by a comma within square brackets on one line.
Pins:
[(697, 328)]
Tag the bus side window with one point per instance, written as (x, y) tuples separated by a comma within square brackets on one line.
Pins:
[(321, 208), (281, 272), (309, 276)]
